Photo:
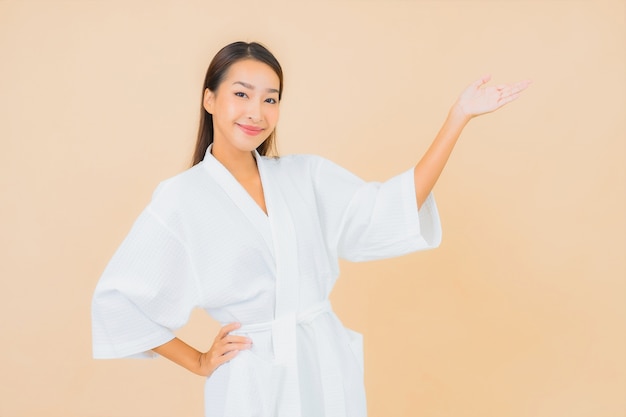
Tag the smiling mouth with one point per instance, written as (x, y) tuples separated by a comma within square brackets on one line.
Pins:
[(250, 130)]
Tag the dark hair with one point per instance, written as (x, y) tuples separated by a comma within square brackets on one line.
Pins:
[(220, 64)]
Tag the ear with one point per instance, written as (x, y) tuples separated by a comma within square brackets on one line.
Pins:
[(208, 101)]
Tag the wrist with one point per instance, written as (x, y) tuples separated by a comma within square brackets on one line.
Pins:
[(458, 115), (203, 365)]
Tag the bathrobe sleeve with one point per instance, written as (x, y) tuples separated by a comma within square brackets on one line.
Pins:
[(369, 220), (146, 292)]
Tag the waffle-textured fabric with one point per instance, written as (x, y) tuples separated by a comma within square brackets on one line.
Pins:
[(203, 242)]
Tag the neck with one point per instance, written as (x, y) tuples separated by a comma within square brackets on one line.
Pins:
[(241, 164)]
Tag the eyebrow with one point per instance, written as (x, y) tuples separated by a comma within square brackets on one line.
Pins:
[(251, 87)]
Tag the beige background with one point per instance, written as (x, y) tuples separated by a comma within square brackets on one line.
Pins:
[(520, 313)]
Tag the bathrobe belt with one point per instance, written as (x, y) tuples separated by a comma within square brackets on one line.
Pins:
[(306, 316), (286, 397)]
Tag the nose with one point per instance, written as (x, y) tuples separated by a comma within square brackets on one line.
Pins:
[(254, 112)]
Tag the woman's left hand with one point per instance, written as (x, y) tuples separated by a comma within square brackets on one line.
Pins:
[(479, 99)]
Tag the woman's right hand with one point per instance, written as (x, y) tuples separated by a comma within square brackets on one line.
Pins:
[(225, 347)]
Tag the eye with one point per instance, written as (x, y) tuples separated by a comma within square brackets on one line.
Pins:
[(271, 100), (241, 94)]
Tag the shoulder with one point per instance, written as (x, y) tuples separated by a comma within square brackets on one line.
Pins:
[(296, 163), (313, 167), (181, 180), (302, 171), (172, 191)]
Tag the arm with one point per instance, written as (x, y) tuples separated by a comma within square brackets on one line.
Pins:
[(225, 347), (474, 101)]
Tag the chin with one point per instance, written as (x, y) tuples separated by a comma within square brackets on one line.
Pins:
[(250, 146)]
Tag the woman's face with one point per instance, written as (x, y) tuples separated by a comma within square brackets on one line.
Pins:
[(244, 107)]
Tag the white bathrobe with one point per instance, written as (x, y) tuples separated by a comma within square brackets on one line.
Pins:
[(204, 242)]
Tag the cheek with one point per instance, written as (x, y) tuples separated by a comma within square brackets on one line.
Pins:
[(233, 109), (273, 114), (227, 108)]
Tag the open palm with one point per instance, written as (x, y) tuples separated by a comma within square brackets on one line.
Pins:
[(479, 99)]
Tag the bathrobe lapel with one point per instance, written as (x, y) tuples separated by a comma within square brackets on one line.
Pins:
[(287, 287), (240, 197), (278, 232)]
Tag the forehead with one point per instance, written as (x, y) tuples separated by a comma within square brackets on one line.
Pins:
[(253, 72)]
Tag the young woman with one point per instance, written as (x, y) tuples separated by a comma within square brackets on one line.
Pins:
[(255, 241)]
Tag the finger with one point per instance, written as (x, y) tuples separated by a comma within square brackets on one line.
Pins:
[(219, 350), (237, 339), (515, 90), (520, 87), (236, 342), (508, 99), (227, 329), (224, 349), (225, 357), (507, 89), (482, 80), (238, 346)]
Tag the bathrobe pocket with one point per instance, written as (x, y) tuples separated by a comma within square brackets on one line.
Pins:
[(253, 386)]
